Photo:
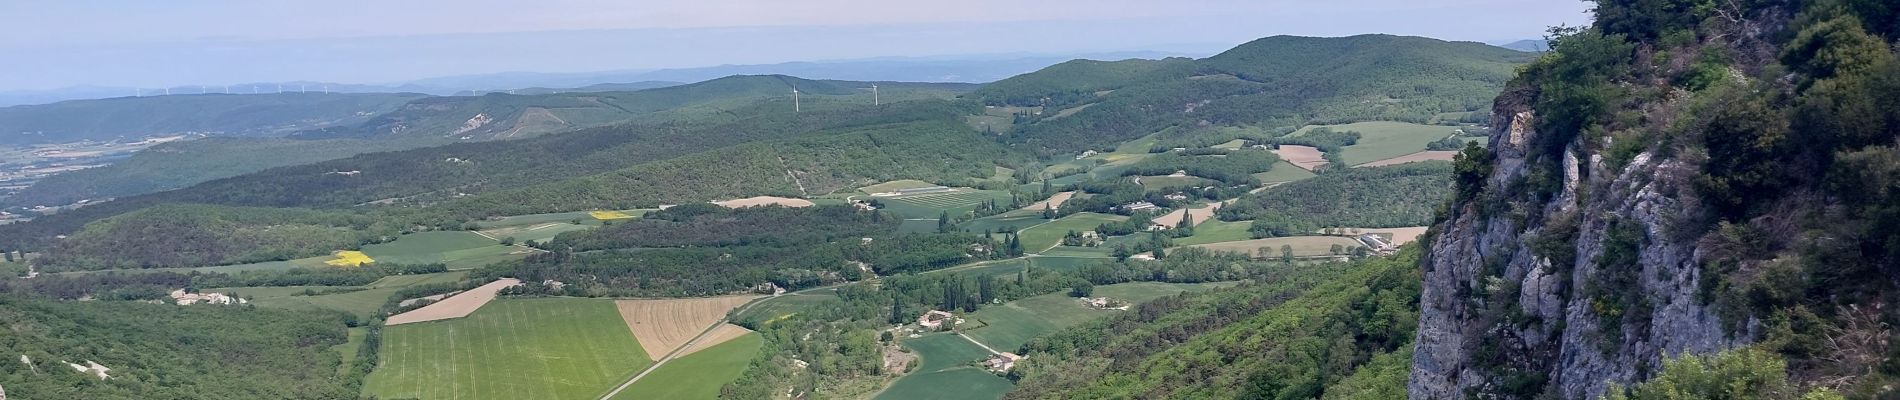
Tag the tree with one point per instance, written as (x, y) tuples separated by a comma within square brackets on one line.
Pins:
[(1082, 289), (985, 289), (1015, 245), (1048, 211), (943, 222), (1121, 253), (9, 255), (1160, 252), (1286, 253), (897, 310), (1338, 250), (1047, 188), (1736, 374), (508, 241)]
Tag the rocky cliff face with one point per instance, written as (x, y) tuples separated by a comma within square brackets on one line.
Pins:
[(1501, 315)]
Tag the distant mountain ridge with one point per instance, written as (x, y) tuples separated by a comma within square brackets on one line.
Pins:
[(228, 115)]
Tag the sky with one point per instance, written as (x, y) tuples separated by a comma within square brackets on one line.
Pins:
[(142, 43)]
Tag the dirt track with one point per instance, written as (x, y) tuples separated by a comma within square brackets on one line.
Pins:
[(1055, 201), (664, 325), (460, 305)]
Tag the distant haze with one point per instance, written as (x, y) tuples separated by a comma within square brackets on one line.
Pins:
[(133, 43)]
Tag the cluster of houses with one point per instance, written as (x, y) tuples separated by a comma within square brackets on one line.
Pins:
[(1378, 243), (935, 319), (1002, 362), (185, 299)]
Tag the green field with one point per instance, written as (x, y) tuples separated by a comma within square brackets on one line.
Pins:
[(511, 349), (1303, 246), (537, 232), (946, 372), (1283, 172), (459, 249), (782, 306), (1045, 236), (698, 375), (1007, 327), (897, 185), (925, 225), (1009, 222), (1077, 252), (364, 303), (1216, 231), (536, 219), (1382, 139), (934, 205)]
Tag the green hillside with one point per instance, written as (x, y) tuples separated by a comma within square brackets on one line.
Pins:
[(1280, 83), (216, 114)]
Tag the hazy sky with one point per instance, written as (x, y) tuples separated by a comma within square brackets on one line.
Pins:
[(180, 42)]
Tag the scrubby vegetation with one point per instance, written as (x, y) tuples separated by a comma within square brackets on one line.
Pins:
[(1383, 197)]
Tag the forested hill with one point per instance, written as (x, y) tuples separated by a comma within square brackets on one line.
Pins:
[(1680, 178), (214, 114), (1280, 82), (507, 116)]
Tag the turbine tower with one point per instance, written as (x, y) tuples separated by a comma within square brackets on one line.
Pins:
[(874, 99), (795, 107)]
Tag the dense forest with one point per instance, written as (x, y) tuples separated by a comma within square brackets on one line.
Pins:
[(162, 351), (190, 235), (1383, 197)]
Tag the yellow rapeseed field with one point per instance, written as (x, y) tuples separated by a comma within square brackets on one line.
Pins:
[(350, 258)]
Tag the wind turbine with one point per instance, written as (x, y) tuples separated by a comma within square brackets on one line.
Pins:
[(168, 91), (302, 89), (227, 89), (280, 88), (874, 99), (795, 107), (326, 88)]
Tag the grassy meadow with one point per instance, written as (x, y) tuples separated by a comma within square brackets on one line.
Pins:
[(1046, 236), (511, 349), (1383, 139), (945, 372), (698, 375)]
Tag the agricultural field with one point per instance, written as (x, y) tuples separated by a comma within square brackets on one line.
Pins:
[(946, 372), (1382, 140), (894, 186), (350, 348), (609, 215), (1217, 231), (1201, 213), (554, 348), (1283, 172), (923, 225), (1009, 222), (536, 232), (585, 218), (349, 258), (1303, 157), (363, 302), (935, 204), (458, 249), (665, 325), (780, 307), (1445, 155), (1045, 236), (1009, 326), (457, 306), (1303, 246), (761, 201), (698, 375)]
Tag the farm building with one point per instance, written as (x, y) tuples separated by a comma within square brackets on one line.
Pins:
[(934, 319), (1139, 206), (185, 299), (1378, 243), (1002, 362)]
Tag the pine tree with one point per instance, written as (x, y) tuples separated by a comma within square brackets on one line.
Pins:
[(943, 222), (985, 289), (1048, 211), (1160, 252), (1048, 188), (897, 310)]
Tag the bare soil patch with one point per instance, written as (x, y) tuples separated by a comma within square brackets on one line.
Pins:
[(764, 201), (1202, 214), (1305, 157), (664, 325), (1412, 158), (1055, 201), (457, 306), (721, 334)]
